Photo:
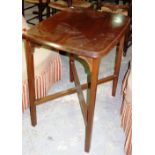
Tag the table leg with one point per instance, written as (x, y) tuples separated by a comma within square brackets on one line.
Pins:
[(99, 4), (71, 61), (91, 101), (47, 9), (117, 1), (40, 8), (30, 74), (23, 8), (119, 52)]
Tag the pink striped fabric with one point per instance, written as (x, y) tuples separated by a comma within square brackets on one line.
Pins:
[(126, 115), (47, 77), (126, 120)]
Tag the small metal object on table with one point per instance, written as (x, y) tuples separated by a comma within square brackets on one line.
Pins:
[(86, 34)]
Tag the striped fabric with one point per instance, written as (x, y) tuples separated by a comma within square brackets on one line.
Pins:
[(126, 113), (47, 68), (43, 80), (126, 122)]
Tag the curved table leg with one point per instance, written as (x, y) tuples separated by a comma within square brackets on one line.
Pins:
[(88, 106)]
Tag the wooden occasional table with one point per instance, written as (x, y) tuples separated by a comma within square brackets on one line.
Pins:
[(85, 34)]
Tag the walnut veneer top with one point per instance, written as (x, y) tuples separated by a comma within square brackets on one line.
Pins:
[(80, 31)]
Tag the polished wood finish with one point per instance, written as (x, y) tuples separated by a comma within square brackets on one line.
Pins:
[(117, 65), (84, 34), (128, 38), (30, 73), (91, 102), (71, 61), (80, 94), (125, 9), (76, 36), (70, 91)]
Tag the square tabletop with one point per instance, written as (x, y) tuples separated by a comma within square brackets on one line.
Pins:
[(84, 32)]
